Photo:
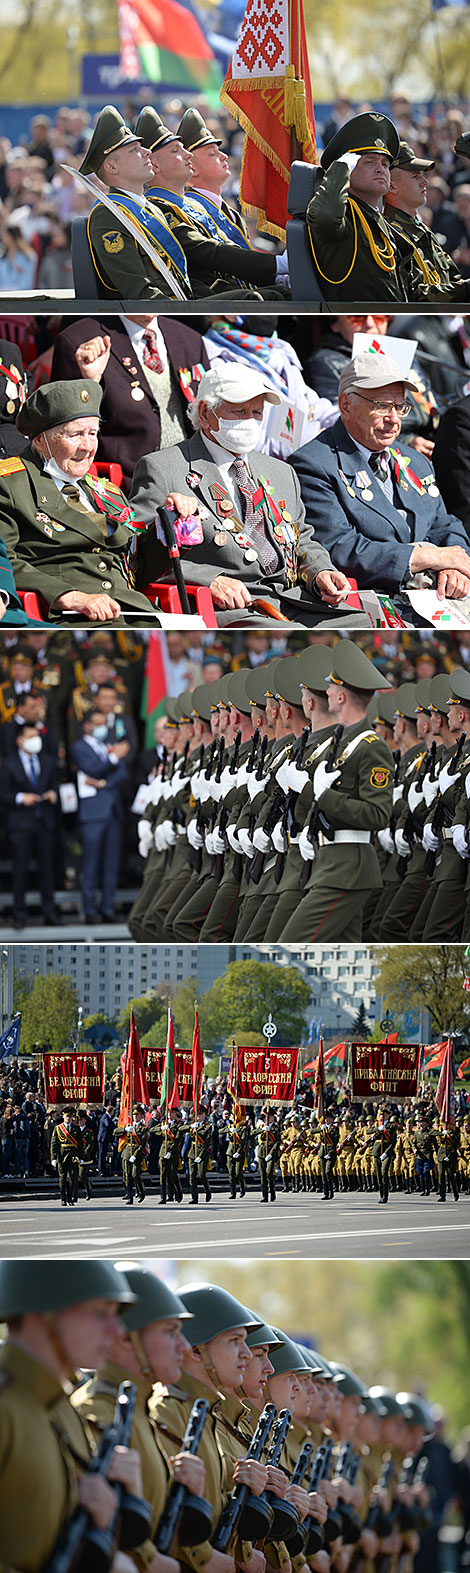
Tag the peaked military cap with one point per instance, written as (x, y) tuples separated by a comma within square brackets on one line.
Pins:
[(367, 133), (203, 700), (256, 685), (351, 668), (171, 717), (405, 701), (237, 694), (58, 402), (459, 684), (439, 693), (314, 665), (219, 692), (151, 130), (382, 707), (194, 133), (423, 694), (288, 681), (462, 145), (407, 159), (183, 706), (110, 134)]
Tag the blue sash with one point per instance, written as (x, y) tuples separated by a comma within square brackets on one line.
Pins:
[(212, 223), (227, 225), (155, 227)]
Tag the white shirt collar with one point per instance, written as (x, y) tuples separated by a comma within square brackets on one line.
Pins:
[(368, 452), (59, 476), (135, 329), (212, 195)]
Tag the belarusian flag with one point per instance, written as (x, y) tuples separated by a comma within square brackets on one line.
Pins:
[(267, 88), (163, 41), (198, 1063), (169, 1098), (155, 686), (444, 1094)]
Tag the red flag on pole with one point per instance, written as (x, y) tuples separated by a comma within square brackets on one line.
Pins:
[(319, 1085), (464, 1066), (134, 1082), (267, 88), (169, 1094), (198, 1062), (443, 1098)]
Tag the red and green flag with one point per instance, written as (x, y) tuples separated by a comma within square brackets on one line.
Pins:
[(163, 41), (155, 686), (169, 1098), (198, 1062)]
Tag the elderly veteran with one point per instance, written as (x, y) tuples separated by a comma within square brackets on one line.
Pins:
[(356, 254), (405, 196), (373, 505), (250, 543), (68, 536)]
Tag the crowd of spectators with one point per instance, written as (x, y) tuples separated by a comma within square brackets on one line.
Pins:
[(39, 198)]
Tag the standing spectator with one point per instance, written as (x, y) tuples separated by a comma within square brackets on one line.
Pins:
[(105, 1137), (102, 774), (21, 1139), (7, 1133)]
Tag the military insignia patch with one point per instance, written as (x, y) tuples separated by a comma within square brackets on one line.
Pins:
[(47, 529), (10, 466), (379, 777), (113, 241)]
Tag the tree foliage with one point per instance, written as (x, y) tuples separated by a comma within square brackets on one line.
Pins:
[(49, 1010), (240, 1001), (430, 977)]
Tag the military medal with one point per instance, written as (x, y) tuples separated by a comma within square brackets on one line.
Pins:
[(367, 496), (43, 518), (433, 491), (136, 392), (241, 539), (286, 515), (220, 538), (345, 481), (192, 479), (225, 505), (250, 556), (10, 407)]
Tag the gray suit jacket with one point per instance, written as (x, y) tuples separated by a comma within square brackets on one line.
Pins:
[(170, 470)]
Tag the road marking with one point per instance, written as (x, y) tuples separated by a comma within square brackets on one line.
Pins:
[(267, 1239)]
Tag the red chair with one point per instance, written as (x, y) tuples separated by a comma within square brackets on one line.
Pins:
[(167, 596), (113, 471), (17, 330), (31, 604)]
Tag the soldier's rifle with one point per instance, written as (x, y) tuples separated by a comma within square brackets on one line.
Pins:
[(82, 1544), (443, 813), (186, 1517), (412, 829), (195, 856), (288, 814), (246, 1514)]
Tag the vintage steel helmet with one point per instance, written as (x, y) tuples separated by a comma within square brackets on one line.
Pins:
[(51, 1286), (214, 1311)]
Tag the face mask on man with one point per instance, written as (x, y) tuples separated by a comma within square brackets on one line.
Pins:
[(32, 745), (238, 436), (100, 732)]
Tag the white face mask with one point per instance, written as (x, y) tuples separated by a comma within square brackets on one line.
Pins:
[(238, 436), (32, 745)]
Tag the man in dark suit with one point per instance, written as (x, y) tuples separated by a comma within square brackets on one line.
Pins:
[(144, 405), (376, 507), (102, 773), (29, 794), (451, 459), (249, 542)]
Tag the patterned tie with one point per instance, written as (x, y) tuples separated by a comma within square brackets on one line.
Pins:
[(380, 466), (152, 358), (254, 522)]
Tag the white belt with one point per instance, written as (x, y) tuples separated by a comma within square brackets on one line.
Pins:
[(344, 836)]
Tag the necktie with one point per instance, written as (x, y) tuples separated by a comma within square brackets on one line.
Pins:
[(379, 464), (152, 358), (33, 771), (254, 522), (73, 499)]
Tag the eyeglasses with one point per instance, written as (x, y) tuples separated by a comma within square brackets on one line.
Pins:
[(384, 409)]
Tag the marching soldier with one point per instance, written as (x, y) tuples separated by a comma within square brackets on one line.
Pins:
[(382, 1152), (66, 1155), (239, 1137), (447, 1143), (133, 1154), (327, 1154), (269, 1142), (199, 1155), (169, 1159), (87, 1154)]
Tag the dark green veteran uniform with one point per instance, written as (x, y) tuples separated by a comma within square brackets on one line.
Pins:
[(55, 544), (358, 257)]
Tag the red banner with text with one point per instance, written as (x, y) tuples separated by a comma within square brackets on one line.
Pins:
[(384, 1070), (267, 1074), (74, 1078), (154, 1064)]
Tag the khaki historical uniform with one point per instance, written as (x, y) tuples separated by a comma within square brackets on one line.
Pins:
[(95, 1403), (38, 1470), (169, 1411)]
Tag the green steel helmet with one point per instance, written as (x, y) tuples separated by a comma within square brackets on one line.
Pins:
[(263, 1335), (315, 1365), (153, 1301), (372, 1406), (415, 1410), (52, 1286), (387, 1399), (346, 1380), (287, 1357), (214, 1311)]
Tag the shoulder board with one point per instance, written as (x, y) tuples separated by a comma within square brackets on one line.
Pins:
[(9, 466), (110, 486), (372, 737)]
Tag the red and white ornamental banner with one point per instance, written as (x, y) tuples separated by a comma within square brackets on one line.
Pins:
[(270, 1075), (74, 1078), (384, 1070), (154, 1065)]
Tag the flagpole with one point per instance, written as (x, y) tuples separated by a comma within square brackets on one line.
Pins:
[(166, 1088), (196, 1097)]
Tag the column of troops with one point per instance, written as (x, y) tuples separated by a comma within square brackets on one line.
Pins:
[(306, 800), (239, 1447)]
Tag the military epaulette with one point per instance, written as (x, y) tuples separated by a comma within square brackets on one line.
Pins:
[(372, 737), (10, 466)]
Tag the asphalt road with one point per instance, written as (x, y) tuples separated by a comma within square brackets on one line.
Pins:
[(303, 1226)]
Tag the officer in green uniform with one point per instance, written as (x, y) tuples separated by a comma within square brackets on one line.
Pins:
[(239, 1137), (148, 1348), (125, 269), (327, 1155), (169, 1160), (447, 1146), (74, 546), (356, 254), (406, 194), (353, 795), (199, 1155), (66, 1155), (168, 773), (87, 1154), (215, 263), (398, 840), (382, 1152), (419, 778), (269, 1143), (424, 1149), (441, 914), (133, 1154), (58, 1321)]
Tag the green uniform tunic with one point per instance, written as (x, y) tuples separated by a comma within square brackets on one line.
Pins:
[(353, 266)]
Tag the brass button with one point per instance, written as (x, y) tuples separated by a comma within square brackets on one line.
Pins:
[(102, 566), (106, 584)]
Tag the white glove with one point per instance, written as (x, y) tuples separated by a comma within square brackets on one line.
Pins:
[(133, 1159), (402, 845), (243, 775), (54, 1163), (143, 828), (181, 830), (205, 789), (278, 838), (218, 843), (307, 851), (386, 840), (233, 839), (245, 843), (261, 840), (460, 841), (208, 841), (167, 790), (282, 266), (351, 159), (157, 838), (430, 790), (323, 779), (155, 791), (430, 841), (194, 836), (195, 785), (281, 775), (467, 783), (415, 796), (168, 832), (296, 778), (227, 780), (397, 794), (216, 790), (254, 786), (447, 777), (145, 841)]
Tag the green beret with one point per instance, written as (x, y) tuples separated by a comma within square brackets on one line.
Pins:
[(351, 668), (367, 133), (151, 130), (59, 402), (110, 134), (193, 132)]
